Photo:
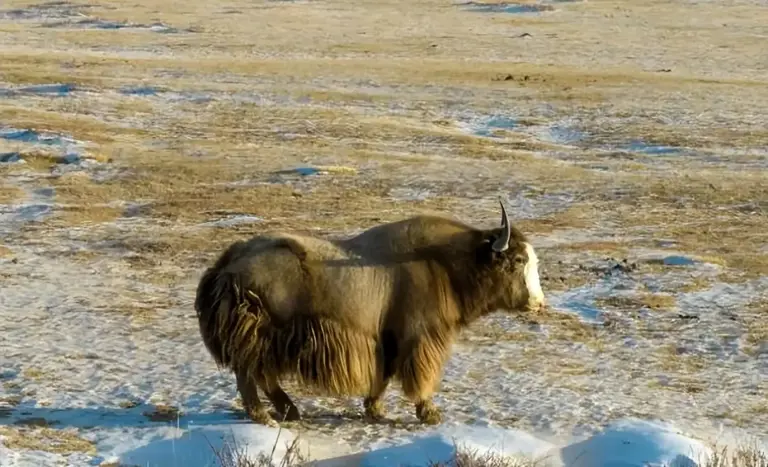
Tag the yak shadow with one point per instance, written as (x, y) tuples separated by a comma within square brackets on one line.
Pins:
[(147, 415), (143, 415)]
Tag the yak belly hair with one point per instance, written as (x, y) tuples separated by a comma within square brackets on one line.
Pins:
[(317, 351)]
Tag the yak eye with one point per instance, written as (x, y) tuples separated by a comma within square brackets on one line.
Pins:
[(519, 259)]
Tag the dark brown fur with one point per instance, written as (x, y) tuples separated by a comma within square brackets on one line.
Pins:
[(347, 316)]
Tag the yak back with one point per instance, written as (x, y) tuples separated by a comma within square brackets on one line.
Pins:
[(398, 275), (300, 275), (436, 285)]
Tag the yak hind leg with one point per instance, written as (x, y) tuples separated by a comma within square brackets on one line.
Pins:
[(282, 402), (420, 373), (251, 402)]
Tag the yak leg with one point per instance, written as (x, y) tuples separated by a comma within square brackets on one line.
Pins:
[(386, 358), (251, 402), (374, 407), (282, 402), (421, 372)]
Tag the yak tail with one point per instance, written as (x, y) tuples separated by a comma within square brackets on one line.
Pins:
[(228, 315)]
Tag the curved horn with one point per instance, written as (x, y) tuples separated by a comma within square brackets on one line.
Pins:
[(502, 243)]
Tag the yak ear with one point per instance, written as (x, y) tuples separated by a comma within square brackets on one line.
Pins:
[(502, 242)]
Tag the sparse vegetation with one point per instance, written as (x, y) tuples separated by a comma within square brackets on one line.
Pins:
[(45, 439), (232, 455), (10, 194), (163, 413), (652, 301), (223, 112)]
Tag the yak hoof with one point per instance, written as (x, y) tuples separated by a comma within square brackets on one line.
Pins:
[(428, 413), (374, 414), (374, 410), (262, 417), (292, 415)]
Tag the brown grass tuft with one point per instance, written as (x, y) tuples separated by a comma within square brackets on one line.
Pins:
[(10, 194), (163, 413), (745, 455), (45, 439), (232, 455), (5, 251), (84, 215), (653, 301), (566, 327)]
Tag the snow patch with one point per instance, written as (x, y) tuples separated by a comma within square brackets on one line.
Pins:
[(624, 443), (198, 446), (636, 443), (439, 446)]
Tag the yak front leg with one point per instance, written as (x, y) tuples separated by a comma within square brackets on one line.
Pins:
[(282, 402), (386, 358), (373, 405), (421, 371), (251, 402)]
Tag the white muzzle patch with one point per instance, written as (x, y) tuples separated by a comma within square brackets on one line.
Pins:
[(531, 274)]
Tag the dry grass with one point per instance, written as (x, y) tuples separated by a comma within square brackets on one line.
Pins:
[(615, 248), (232, 455), (756, 327), (465, 457), (741, 456), (163, 413), (79, 215), (566, 327), (652, 301), (369, 88), (673, 359), (33, 373), (45, 439), (10, 194)]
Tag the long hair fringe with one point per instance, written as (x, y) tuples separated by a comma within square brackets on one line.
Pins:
[(239, 333)]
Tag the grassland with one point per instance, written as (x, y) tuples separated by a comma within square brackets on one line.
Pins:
[(636, 131)]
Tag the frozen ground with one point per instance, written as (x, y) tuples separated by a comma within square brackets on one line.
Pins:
[(94, 362), (137, 139)]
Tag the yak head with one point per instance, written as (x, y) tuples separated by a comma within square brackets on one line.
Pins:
[(514, 267)]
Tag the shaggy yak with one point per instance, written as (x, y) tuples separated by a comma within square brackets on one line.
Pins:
[(347, 316)]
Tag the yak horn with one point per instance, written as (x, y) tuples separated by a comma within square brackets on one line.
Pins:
[(502, 243)]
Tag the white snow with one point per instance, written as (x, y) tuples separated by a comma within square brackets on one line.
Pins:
[(198, 446), (79, 342), (636, 443), (625, 443), (439, 445)]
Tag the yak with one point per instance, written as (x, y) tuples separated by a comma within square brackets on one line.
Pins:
[(347, 316)]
